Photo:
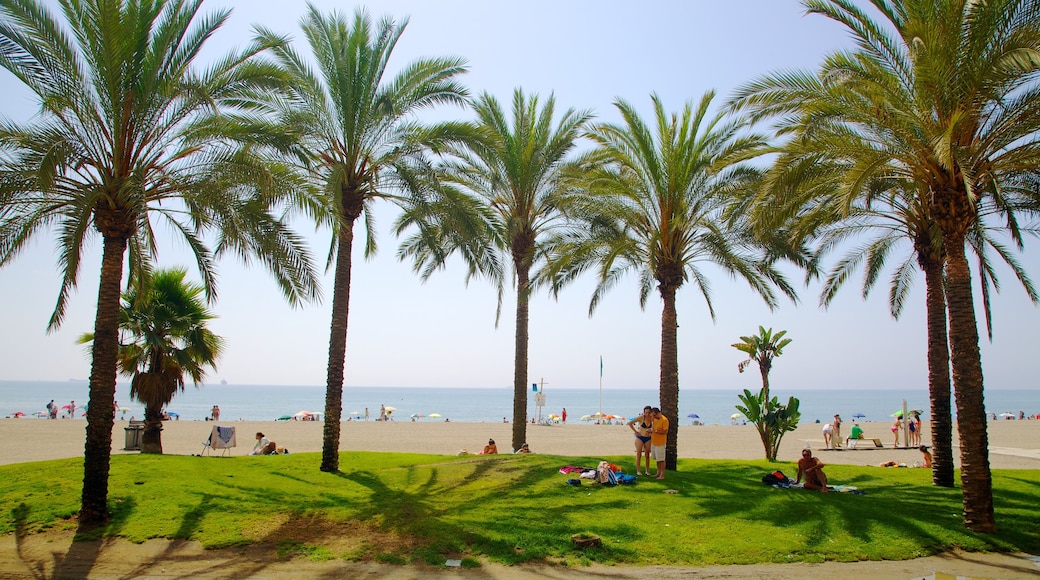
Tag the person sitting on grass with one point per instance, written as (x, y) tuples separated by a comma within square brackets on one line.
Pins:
[(263, 446), (927, 456), (524, 449), (812, 469), (490, 448)]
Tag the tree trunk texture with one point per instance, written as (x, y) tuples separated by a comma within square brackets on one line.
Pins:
[(337, 349), (941, 420), (670, 373), (97, 451), (151, 437), (523, 300), (976, 480)]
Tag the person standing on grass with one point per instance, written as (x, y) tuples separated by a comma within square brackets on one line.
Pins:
[(641, 426), (659, 440)]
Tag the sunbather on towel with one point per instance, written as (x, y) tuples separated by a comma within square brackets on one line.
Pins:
[(812, 469)]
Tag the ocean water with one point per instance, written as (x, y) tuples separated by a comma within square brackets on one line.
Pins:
[(268, 402)]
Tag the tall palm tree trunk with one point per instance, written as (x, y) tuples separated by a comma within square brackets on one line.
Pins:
[(97, 451), (938, 373), (976, 480), (337, 349), (670, 374), (523, 300)]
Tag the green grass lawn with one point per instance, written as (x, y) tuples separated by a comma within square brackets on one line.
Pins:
[(400, 508)]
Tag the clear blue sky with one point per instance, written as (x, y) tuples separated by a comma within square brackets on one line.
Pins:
[(442, 333)]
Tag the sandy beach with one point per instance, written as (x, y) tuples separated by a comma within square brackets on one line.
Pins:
[(1013, 444)]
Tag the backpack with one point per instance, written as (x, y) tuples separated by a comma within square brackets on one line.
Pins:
[(774, 478)]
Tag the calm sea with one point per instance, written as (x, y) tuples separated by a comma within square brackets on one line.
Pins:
[(267, 402)]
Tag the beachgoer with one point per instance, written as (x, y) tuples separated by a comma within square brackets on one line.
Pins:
[(641, 427), (524, 449), (382, 413), (490, 448), (828, 435), (72, 410), (927, 461), (855, 433), (915, 430), (658, 440), (214, 413), (812, 469), (52, 410), (563, 415), (895, 430), (837, 430), (366, 413), (263, 445)]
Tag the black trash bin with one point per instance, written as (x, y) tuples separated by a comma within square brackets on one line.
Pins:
[(133, 437)]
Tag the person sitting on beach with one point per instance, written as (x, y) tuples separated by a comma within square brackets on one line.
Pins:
[(524, 449), (812, 469), (263, 446), (855, 433), (927, 462), (490, 448)]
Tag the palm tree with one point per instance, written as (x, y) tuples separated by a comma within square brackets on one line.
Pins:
[(128, 132), (503, 193), (357, 132), (168, 339), (761, 349), (942, 95), (655, 202)]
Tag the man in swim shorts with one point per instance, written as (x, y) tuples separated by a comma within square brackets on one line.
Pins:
[(812, 469), (659, 440)]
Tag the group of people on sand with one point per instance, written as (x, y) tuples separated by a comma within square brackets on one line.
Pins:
[(651, 431)]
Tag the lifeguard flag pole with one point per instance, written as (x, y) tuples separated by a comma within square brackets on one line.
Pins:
[(601, 386)]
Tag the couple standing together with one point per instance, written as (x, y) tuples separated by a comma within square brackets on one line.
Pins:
[(651, 429)]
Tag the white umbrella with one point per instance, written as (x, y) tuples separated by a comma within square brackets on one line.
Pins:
[(391, 409), (1007, 415), (735, 416), (434, 415)]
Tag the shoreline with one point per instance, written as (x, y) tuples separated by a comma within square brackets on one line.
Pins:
[(1013, 444)]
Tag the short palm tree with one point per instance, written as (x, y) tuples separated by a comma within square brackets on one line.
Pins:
[(503, 193), (165, 340), (761, 349), (943, 95), (357, 132), (129, 132), (654, 204)]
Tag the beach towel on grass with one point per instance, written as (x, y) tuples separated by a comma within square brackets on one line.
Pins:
[(572, 469)]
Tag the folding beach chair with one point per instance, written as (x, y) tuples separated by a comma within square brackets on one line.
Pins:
[(222, 438)]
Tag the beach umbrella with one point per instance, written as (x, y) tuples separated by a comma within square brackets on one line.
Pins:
[(898, 413), (284, 418), (432, 415), (66, 406), (858, 416), (694, 416), (416, 415), (1005, 415), (355, 412), (174, 415), (124, 409), (19, 414), (735, 416), (39, 414), (390, 409), (586, 418)]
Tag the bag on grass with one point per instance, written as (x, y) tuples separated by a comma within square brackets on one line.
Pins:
[(775, 478)]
